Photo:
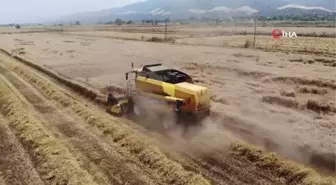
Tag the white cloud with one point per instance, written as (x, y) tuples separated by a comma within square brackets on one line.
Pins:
[(303, 7), (245, 9), (220, 9), (160, 11), (128, 12), (155, 10), (198, 11)]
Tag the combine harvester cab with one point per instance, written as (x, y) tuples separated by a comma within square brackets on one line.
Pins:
[(174, 89)]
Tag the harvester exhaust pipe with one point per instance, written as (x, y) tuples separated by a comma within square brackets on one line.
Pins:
[(132, 65)]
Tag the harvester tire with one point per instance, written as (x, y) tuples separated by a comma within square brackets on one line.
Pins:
[(130, 106)]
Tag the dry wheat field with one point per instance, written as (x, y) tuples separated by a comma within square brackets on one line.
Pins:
[(272, 122)]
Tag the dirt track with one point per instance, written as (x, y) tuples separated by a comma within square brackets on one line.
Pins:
[(55, 127)]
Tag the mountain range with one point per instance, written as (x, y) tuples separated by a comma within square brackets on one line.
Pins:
[(179, 9)]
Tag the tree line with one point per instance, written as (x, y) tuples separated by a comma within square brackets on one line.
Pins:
[(316, 17), (119, 21)]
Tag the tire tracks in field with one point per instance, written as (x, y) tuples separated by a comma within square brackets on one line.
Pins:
[(99, 158), (16, 167), (237, 171), (225, 167)]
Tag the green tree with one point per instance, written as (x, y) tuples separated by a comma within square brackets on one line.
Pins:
[(118, 21)]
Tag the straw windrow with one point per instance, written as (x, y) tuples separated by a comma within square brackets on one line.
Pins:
[(53, 161)]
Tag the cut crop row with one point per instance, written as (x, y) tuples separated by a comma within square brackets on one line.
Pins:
[(53, 161)]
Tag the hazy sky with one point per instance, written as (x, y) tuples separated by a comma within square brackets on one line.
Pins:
[(17, 11)]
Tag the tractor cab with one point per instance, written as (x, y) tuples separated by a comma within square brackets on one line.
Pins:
[(162, 73)]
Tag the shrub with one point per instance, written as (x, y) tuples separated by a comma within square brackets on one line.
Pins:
[(247, 44)]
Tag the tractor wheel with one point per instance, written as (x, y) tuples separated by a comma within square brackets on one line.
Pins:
[(130, 106), (122, 110)]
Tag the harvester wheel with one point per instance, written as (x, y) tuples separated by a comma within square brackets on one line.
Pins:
[(122, 109), (130, 106)]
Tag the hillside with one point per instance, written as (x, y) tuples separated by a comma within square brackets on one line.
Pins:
[(172, 9), (176, 9)]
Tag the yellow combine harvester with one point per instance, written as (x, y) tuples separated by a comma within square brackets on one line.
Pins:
[(170, 87)]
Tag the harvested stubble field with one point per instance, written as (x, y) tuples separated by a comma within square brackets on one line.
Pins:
[(199, 29), (126, 35), (312, 41), (282, 103), (305, 45)]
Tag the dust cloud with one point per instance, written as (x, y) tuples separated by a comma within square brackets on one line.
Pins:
[(217, 133)]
